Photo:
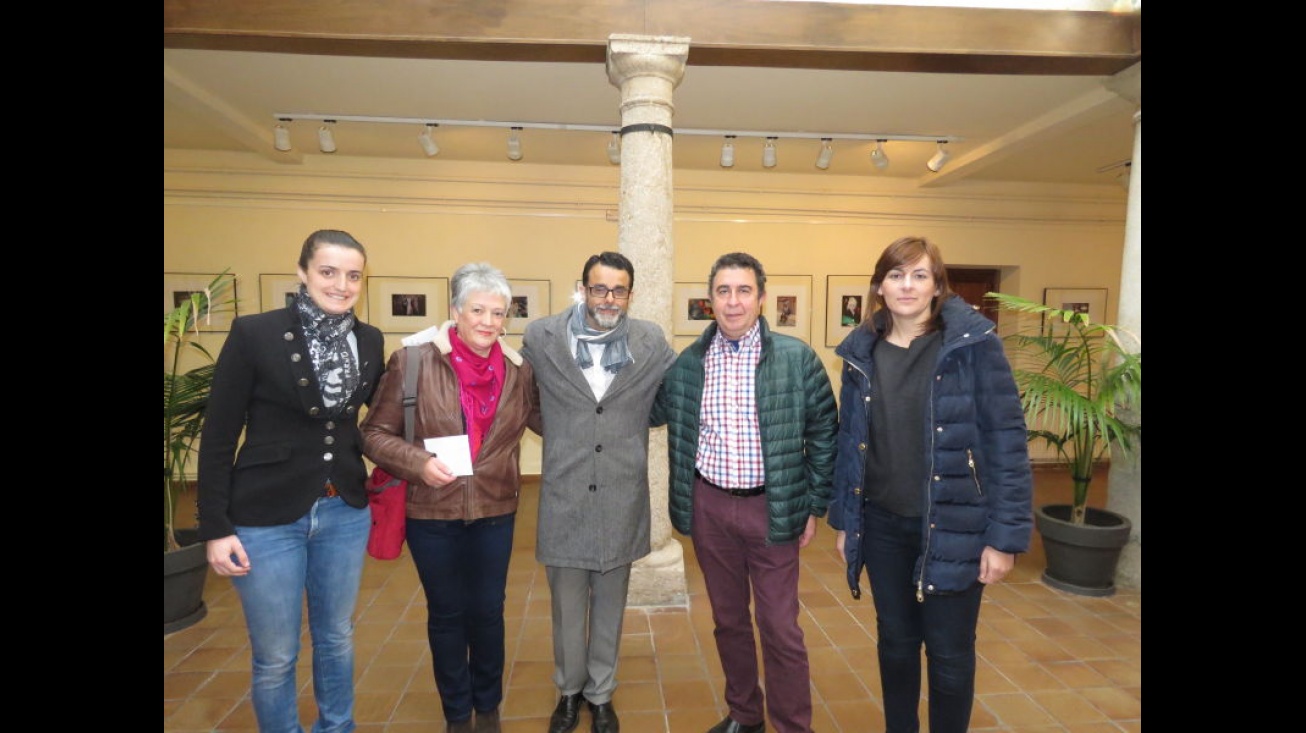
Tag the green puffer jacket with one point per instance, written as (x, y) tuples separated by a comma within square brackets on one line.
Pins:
[(798, 419)]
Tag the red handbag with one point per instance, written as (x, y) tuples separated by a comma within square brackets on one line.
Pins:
[(387, 494)]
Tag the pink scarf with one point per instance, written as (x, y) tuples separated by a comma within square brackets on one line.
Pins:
[(481, 381)]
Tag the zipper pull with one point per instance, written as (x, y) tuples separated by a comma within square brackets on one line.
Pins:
[(920, 594)]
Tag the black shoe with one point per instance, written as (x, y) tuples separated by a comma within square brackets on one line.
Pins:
[(566, 715), (605, 718), (730, 725)]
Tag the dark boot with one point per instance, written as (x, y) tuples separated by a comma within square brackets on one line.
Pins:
[(566, 715), (487, 722), (604, 718)]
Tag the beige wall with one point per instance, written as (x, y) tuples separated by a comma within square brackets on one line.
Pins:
[(424, 218)]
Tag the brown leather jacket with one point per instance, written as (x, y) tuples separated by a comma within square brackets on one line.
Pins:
[(494, 487)]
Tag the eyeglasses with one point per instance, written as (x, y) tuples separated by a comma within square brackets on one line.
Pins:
[(601, 291)]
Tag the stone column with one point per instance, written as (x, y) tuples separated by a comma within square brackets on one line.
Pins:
[(647, 69), (1125, 495)]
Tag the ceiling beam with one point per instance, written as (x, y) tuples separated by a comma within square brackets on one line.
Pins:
[(815, 35)]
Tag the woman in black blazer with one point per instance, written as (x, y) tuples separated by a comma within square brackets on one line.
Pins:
[(285, 511)]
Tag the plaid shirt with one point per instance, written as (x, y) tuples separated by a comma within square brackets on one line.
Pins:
[(729, 442)]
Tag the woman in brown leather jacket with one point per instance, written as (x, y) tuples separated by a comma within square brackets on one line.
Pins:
[(460, 527)]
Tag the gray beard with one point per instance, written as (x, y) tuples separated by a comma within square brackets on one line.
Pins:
[(605, 321)]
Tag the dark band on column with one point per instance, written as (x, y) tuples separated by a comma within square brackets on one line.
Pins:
[(646, 127)]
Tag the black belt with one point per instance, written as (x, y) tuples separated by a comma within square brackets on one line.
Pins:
[(754, 491)]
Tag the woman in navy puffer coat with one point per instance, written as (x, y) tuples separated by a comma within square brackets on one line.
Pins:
[(932, 482)]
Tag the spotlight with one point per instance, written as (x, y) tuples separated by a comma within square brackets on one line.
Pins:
[(940, 158), (827, 152), (878, 157), (326, 142), (768, 153), (514, 144), (427, 142), (728, 152), (614, 149), (281, 136)]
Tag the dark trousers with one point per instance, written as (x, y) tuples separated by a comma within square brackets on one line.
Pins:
[(464, 571), (729, 536), (943, 623)]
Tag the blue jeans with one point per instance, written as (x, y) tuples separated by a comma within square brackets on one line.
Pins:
[(320, 554), (944, 623), (463, 567)]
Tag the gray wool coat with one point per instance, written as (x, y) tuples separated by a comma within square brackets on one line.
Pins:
[(594, 496)]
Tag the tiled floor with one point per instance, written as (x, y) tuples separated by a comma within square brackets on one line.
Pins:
[(1050, 662)]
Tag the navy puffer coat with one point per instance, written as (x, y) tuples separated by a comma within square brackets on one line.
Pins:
[(980, 484)]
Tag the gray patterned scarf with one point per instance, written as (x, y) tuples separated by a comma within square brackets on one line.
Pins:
[(328, 346), (616, 351)]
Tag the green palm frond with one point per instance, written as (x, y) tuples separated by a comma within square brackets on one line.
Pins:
[(1078, 385), (186, 393)]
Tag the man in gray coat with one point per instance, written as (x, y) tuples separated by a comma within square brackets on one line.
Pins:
[(597, 371)]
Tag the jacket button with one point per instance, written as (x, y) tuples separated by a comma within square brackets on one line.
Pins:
[(331, 425), (303, 381), (857, 491), (598, 410), (328, 456), (593, 487), (350, 409), (288, 335), (313, 411), (330, 440), (939, 429), (938, 478), (861, 447), (295, 357), (598, 449)]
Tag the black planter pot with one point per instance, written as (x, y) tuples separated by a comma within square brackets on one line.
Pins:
[(1082, 558), (184, 572)]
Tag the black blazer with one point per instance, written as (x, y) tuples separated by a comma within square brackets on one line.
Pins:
[(264, 384)]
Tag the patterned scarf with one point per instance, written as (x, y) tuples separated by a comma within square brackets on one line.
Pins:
[(480, 381), (328, 347), (616, 349)]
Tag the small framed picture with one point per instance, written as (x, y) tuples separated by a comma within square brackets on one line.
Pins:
[(530, 300), (407, 304), (847, 301), (788, 307), (178, 286), (277, 291), (691, 309)]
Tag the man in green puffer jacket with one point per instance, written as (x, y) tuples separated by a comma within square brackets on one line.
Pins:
[(751, 423)]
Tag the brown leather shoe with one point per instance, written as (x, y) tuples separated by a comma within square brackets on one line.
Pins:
[(566, 715), (604, 718), (730, 725), (487, 722)]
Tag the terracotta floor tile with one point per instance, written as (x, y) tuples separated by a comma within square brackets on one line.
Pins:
[(1049, 661)]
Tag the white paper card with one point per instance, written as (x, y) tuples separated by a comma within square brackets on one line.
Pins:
[(455, 451)]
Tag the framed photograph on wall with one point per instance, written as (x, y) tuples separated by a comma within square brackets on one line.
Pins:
[(1081, 300), (691, 309), (788, 307), (407, 304), (530, 300), (276, 291), (178, 286), (847, 302)]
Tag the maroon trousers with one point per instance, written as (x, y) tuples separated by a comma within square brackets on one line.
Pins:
[(729, 535)]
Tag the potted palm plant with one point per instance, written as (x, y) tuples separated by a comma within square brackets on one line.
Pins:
[(185, 397), (1079, 382)]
